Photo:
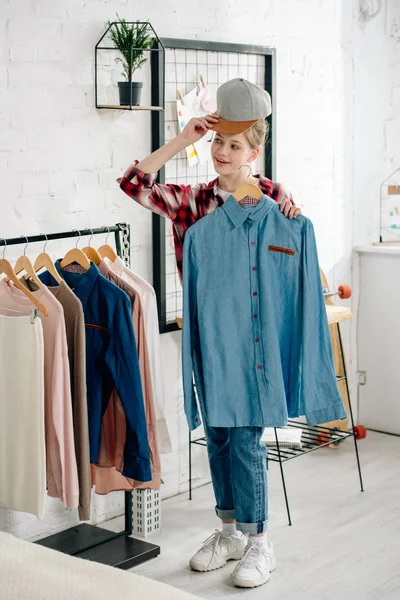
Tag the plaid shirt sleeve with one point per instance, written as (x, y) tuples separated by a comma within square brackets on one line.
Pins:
[(164, 199), (277, 191), (282, 193)]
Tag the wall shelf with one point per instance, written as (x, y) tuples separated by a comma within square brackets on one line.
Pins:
[(106, 73)]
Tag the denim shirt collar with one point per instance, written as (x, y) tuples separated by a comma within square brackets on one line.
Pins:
[(82, 284), (238, 214)]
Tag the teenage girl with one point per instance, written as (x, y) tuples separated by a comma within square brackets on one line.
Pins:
[(243, 536)]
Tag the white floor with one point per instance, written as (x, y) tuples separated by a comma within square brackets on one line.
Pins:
[(342, 544)]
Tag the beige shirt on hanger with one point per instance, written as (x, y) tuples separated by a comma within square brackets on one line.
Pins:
[(23, 448), (61, 470)]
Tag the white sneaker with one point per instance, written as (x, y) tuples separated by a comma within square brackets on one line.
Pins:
[(256, 566), (217, 550)]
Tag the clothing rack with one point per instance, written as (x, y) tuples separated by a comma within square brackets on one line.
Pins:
[(95, 543)]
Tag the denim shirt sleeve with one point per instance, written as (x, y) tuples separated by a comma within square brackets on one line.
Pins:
[(317, 356), (189, 329), (123, 362)]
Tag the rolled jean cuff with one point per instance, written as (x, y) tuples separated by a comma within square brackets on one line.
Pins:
[(226, 515), (252, 528)]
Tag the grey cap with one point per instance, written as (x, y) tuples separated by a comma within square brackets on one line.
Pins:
[(240, 104)]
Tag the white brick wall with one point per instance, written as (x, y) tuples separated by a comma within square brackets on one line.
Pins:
[(338, 104)]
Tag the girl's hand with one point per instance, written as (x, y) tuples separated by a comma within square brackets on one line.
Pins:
[(287, 207), (198, 127)]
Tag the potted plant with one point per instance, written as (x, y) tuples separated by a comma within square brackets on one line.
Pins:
[(131, 39)]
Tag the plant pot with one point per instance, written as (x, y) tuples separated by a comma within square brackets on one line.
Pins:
[(129, 92)]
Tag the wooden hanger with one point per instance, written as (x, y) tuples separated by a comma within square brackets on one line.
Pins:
[(247, 189), (107, 251), (44, 261), (6, 268), (24, 264), (75, 255), (92, 253)]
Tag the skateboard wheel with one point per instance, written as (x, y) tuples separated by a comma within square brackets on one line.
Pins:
[(345, 291), (322, 438), (360, 432)]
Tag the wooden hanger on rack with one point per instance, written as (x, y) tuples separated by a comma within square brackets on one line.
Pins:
[(24, 264), (92, 253), (107, 251), (247, 189), (7, 269), (75, 255), (44, 261)]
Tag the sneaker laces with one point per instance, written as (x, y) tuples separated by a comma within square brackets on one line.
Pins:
[(252, 558), (212, 542)]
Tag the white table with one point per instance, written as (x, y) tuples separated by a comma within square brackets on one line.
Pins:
[(377, 277)]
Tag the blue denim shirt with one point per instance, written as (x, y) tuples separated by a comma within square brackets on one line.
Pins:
[(255, 329), (111, 361)]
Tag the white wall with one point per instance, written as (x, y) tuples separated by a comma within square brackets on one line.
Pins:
[(376, 140), (338, 88)]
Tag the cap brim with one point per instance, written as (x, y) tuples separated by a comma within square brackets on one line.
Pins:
[(224, 126)]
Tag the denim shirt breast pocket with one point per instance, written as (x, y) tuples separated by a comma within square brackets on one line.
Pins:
[(284, 265), (282, 250)]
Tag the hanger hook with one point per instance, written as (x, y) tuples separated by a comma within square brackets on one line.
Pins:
[(78, 237), (250, 171), (27, 243), (5, 245), (90, 239), (45, 244), (107, 236)]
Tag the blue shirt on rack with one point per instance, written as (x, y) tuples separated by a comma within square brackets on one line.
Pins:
[(255, 330), (111, 361)]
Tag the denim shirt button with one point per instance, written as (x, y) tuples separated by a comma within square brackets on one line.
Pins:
[(259, 367), (257, 339), (253, 269), (253, 243), (255, 316), (254, 293)]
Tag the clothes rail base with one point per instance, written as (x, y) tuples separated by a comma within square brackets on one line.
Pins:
[(102, 546), (91, 542)]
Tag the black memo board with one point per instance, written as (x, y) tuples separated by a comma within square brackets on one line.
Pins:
[(180, 68)]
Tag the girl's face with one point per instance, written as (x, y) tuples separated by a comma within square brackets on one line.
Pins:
[(230, 151)]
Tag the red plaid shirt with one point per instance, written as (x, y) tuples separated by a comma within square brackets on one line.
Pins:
[(183, 204)]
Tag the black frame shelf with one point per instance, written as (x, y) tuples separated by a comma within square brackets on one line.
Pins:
[(311, 440), (157, 49)]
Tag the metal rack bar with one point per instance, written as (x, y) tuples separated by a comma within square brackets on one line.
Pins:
[(64, 235), (116, 549)]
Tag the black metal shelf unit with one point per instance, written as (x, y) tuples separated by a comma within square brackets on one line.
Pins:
[(157, 49), (89, 541), (312, 438)]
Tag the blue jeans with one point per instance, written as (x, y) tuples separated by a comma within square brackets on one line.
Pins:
[(237, 460)]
